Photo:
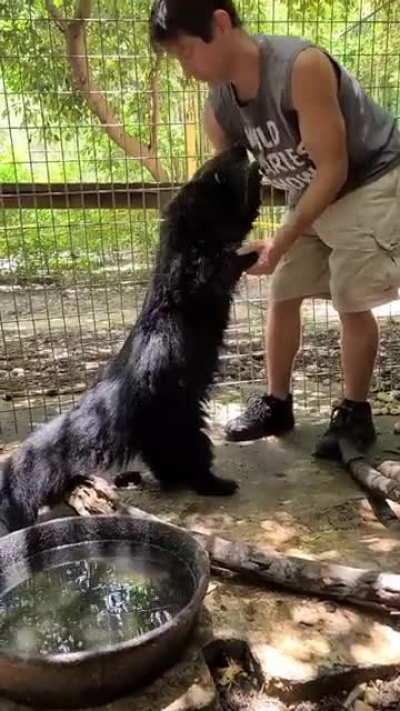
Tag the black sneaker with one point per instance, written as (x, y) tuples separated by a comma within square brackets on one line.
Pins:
[(351, 420), (265, 415)]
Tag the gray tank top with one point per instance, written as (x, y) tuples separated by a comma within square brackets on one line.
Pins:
[(268, 124)]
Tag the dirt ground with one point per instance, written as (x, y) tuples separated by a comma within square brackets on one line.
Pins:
[(308, 654), (53, 341)]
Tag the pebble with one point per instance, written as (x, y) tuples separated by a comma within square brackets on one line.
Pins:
[(362, 706), (51, 392), (396, 428), (385, 396), (372, 697), (355, 693)]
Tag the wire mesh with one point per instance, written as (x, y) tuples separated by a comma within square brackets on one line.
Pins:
[(72, 280)]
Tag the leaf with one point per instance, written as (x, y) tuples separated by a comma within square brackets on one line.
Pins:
[(230, 674)]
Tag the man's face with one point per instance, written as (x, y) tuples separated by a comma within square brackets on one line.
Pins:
[(204, 61)]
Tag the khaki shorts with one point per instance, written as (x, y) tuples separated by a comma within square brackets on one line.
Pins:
[(352, 254)]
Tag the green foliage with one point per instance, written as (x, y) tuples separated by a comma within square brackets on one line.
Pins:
[(56, 243)]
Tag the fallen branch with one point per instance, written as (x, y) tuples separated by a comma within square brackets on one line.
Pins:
[(382, 510), (93, 496), (368, 588), (370, 478), (375, 482), (391, 470)]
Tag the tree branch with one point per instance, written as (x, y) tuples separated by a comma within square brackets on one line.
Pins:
[(83, 9), (76, 38), (155, 104), (56, 15)]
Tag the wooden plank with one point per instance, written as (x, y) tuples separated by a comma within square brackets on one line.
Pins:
[(78, 196)]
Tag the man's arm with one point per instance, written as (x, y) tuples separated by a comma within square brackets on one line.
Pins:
[(323, 132), (213, 130)]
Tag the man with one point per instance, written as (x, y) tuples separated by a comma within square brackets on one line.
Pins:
[(317, 135)]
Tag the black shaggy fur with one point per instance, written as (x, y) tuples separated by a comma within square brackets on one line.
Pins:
[(150, 399)]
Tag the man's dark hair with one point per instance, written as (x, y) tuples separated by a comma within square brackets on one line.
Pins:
[(171, 18)]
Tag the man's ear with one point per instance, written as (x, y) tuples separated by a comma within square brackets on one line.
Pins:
[(222, 21), (245, 261)]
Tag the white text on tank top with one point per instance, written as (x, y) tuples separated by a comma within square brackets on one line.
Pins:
[(285, 168)]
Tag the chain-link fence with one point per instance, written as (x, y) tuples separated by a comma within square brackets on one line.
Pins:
[(83, 106)]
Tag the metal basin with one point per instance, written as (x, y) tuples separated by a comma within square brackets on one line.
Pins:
[(100, 674)]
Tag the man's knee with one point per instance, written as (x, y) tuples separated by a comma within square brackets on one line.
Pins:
[(360, 282), (345, 294), (285, 307), (360, 327), (359, 317)]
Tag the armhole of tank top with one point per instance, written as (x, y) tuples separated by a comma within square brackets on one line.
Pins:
[(287, 97), (336, 67)]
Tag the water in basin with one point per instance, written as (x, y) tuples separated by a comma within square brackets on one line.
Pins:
[(90, 595)]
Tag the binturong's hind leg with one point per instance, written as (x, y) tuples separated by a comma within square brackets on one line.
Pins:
[(184, 455), (17, 507), (201, 478)]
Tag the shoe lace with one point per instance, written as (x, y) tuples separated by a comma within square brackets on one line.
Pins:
[(254, 399), (257, 403), (341, 415)]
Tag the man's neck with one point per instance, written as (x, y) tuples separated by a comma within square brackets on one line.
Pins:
[(245, 73)]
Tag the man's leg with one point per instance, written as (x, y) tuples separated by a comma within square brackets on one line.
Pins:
[(363, 231), (303, 272), (352, 419), (360, 339), (272, 414), (282, 337)]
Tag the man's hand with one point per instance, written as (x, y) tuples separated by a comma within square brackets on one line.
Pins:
[(271, 251), (268, 258)]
